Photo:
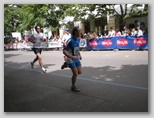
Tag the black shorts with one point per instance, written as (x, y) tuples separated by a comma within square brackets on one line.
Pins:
[(37, 50)]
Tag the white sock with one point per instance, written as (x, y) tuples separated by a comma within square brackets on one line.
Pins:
[(43, 69)]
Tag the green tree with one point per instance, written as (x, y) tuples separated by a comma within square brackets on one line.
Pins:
[(129, 11), (11, 18), (137, 10), (21, 17)]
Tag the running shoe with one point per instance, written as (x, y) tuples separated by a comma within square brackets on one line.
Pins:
[(44, 70), (65, 65), (32, 65), (75, 89)]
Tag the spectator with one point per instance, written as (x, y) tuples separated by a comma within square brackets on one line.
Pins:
[(142, 26), (117, 33), (92, 35), (133, 32), (137, 24), (51, 37), (56, 38), (139, 32), (111, 32), (85, 36), (66, 36), (128, 32), (105, 35), (145, 31), (124, 32)]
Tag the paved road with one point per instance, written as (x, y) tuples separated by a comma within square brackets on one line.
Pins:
[(111, 82)]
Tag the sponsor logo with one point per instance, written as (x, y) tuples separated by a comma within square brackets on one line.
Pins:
[(140, 41), (106, 43), (82, 43), (93, 43), (122, 42)]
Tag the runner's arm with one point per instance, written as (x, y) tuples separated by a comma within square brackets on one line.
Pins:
[(31, 40), (66, 48), (80, 56), (65, 52)]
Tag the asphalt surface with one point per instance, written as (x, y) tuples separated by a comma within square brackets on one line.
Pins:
[(110, 82)]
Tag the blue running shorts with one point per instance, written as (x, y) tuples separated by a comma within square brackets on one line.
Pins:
[(75, 63)]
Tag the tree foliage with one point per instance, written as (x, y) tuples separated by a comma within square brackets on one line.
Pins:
[(26, 16), (21, 17)]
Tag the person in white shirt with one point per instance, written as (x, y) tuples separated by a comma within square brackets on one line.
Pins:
[(111, 32), (125, 31), (66, 36), (133, 32), (139, 32)]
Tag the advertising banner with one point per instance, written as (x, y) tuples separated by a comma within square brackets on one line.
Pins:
[(120, 42)]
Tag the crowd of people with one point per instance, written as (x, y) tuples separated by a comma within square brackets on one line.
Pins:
[(135, 29), (112, 33)]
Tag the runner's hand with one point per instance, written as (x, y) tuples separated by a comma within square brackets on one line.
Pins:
[(80, 58), (74, 58)]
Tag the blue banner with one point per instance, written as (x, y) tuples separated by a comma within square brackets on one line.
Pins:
[(120, 42)]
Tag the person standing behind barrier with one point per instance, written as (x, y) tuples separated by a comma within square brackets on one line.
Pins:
[(36, 39), (137, 24), (145, 32), (117, 33), (124, 32), (66, 36), (128, 32), (139, 32), (105, 35), (111, 32), (73, 56), (92, 35), (133, 32)]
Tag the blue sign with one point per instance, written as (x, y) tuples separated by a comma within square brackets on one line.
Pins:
[(119, 42)]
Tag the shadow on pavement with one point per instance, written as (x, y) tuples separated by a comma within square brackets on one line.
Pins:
[(101, 89)]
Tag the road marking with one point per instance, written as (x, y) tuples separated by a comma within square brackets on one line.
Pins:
[(103, 82), (87, 79)]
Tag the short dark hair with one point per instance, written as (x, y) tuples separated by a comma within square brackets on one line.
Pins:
[(36, 27), (74, 30)]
